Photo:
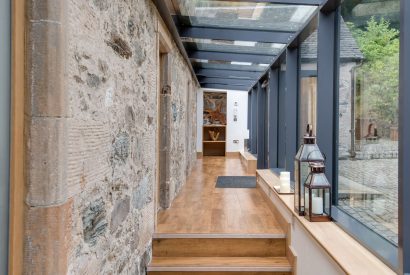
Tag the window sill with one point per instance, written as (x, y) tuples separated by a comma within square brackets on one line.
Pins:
[(350, 255)]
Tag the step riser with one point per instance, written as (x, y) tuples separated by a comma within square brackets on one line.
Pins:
[(219, 247)]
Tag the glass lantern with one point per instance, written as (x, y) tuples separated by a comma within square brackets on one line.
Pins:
[(317, 194), (308, 153)]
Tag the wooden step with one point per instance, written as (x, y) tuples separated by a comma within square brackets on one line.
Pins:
[(208, 245), (219, 265)]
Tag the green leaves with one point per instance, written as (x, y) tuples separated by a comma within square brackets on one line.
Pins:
[(379, 73)]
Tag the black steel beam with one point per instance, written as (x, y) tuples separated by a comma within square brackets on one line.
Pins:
[(227, 73), (404, 137), (330, 6), (249, 118), (291, 105), (253, 58), (235, 34), (254, 121), (225, 87), (327, 99), (273, 98), (282, 119), (225, 81), (260, 128)]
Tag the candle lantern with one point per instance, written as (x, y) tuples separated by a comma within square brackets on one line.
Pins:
[(317, 194), (308, 153)]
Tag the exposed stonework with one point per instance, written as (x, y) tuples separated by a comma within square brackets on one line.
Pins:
[(94, 221), (92, 134), (345, 95)]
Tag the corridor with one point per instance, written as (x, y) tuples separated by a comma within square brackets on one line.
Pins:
[(118, 117)]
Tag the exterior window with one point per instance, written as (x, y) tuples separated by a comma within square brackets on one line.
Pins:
[(368, 114), (308, 85), (307, 105), (281, 117)]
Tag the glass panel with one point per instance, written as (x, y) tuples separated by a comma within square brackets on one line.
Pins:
[(327, 202), (307, 201), (281, 116), (246, 47), (308, 85), (368, 114), (307, 105), (242, 15), (228, 65)]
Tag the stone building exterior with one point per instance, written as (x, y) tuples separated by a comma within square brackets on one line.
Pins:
[(91, 134), (350, 57)]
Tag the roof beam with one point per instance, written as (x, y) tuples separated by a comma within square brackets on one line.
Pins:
[(227, 73), (225, 87), (253, 58), (235, 34), (226, 81)]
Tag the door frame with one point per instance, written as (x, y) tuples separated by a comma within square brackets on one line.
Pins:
[(17, 147), (164, 46)]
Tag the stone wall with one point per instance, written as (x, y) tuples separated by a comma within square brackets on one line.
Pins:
[(345, 105), (92, 134)]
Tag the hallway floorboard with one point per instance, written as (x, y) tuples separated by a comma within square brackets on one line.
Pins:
[(202, 208)]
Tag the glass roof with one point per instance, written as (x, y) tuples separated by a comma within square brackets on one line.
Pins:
[(228, 65), (236, 36), (242, 15), (229, 46)]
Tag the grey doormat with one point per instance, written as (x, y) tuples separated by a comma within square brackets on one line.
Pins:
[(236, 182)]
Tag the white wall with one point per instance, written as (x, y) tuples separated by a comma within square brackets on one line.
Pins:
[(236, 130)]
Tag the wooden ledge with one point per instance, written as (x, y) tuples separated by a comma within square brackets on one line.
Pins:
[(271, 179), (350, 255), (249, 161), (247, 156)]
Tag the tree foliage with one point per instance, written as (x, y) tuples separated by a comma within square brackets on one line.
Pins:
[(379, 73)]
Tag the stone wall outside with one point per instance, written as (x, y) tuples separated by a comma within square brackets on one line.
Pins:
[(345, 95)]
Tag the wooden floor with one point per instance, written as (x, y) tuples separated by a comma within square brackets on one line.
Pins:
[(202, 208)]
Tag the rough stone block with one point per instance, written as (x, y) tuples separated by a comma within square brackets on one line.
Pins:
[(47, 239), (46, 161), (47, 92), (120, 213), (121, 147), (94, 221), (52, 10), (141, 195)]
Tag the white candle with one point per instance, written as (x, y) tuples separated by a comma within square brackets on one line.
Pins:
[(284, 178), (317, 205), (285, 186)]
